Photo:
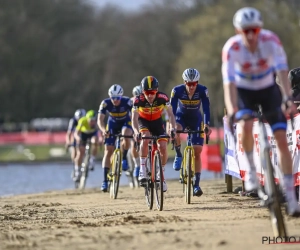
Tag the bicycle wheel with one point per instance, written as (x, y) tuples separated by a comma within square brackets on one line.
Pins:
[(158, 183), (116, 173), (188, 172), (149, 185), (84, 172), (272, 191)]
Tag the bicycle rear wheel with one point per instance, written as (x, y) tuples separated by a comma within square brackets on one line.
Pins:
[(149, 185), (272, 191), (116, 174), (158, 183), (188, 173)]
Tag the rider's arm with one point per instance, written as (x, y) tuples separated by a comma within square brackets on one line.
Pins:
[(69, 131), (101, 122), (281, 66), (171, 116), (230, 90), (174, 101), (78, 130), (206, 107), (135, 117)]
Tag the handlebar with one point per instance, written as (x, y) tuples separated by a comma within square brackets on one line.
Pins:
[(137, 143)]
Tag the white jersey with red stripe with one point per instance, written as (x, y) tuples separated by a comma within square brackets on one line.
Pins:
[(256, 70)]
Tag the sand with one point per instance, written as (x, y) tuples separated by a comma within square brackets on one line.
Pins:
[(91, 220)]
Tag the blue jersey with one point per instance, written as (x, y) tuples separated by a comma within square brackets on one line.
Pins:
[(190, 108), (72, 124), (116, 113)]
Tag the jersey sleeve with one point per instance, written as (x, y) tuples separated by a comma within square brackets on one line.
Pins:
[(228, 55), (71, 125), (135, 104), (206, 106), (174, 101), (164, 98), (129, 104), (103, 107), (279, 55)]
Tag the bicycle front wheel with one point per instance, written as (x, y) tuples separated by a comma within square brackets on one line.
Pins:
[(149, 186), (188, 173), (272, 191), (116, 174), (84, 173), (158, 183)]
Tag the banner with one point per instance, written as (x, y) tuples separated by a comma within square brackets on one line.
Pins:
[(235, 159)]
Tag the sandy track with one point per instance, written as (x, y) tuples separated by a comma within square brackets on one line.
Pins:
[(91, 220)]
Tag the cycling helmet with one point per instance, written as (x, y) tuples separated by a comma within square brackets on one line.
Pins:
[(115, 90), (294, 77), (247, 17), (137, 90), (91, 114), (149, 83), (191, 75), (79, 113)]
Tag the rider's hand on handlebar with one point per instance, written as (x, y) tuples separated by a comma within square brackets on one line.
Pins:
[(106, 133), (288, 107), (207, 129)]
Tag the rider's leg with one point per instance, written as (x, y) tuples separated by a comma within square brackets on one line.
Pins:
[(178, 157), (126, 144), (106, 161), (286, 164), (94, 143), (79, 157), (143, 155), (136, 159)]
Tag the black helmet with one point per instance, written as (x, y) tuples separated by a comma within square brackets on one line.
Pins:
[(294, 77), (149, 83)]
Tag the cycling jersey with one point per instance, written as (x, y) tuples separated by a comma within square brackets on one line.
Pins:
[(116, 113), (84, 126), (188, 108), (72, 124), (152, 111), (249, 70)]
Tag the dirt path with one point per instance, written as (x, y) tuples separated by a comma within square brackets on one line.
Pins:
[(91, 220)]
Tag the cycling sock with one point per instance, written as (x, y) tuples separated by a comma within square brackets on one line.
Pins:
[(136, 161), (289, 188), (125, 154), (197, 179), (105, 172), (178, 152), (76, 168), (249, 156), (143, 164)]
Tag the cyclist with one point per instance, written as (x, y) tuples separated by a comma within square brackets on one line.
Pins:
[(294, 77), (249, 60), (146, 119), (86, 129), (118, 108), (70, 140), (186, 102)]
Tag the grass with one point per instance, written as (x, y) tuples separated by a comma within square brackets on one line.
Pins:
[(29, 153)]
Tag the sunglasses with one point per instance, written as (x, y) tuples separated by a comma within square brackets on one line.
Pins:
[(150, 92), (191, 84), (251, 30), (116, 98)]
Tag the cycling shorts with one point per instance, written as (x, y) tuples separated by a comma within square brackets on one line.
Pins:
[(270, 99), (193, 124), (85, 136), (115, 128), (155, 127)]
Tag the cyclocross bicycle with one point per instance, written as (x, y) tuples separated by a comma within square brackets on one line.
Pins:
[(269, 194), (187, 170), (116, 167), (84, 170), (154, 172)]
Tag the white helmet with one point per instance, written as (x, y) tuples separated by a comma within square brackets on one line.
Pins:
[(79, 113), (137, 90), (115, 90), (191, 75), (247, 17)]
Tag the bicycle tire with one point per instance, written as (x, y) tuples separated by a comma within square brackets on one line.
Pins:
[(116, 173), (84, 173), (188, 185), (149, 192), (158, 184), (277, 220)]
